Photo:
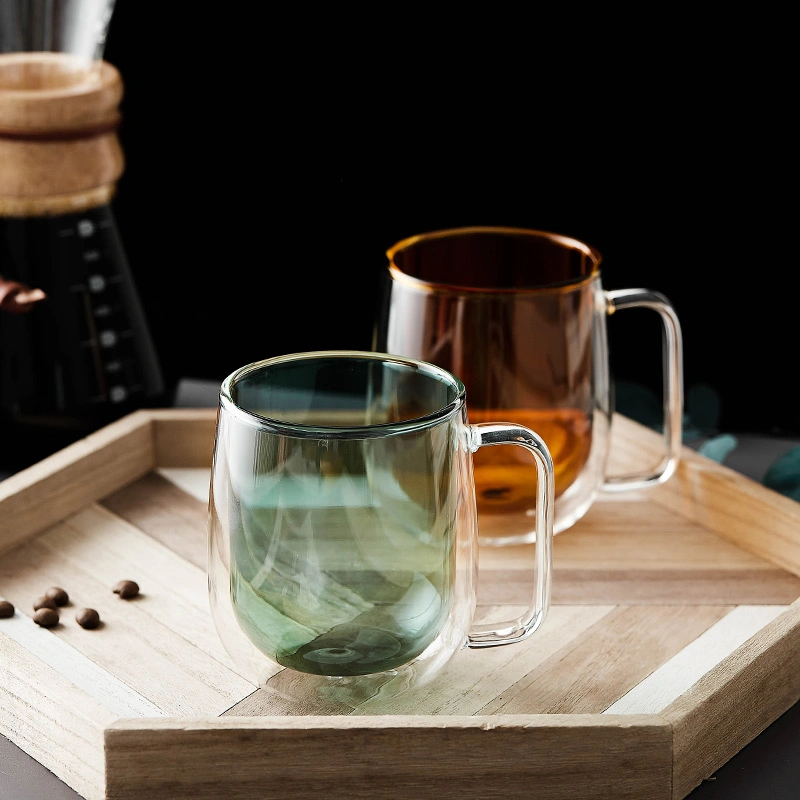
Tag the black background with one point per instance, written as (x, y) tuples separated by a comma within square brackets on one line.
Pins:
[(273, 155), (269, 166)]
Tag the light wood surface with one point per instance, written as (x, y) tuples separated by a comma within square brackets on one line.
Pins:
[(672, 641)]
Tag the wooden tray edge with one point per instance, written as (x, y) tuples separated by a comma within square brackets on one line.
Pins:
[(378, 721), (404, 756), (744, 686), (75, 476)]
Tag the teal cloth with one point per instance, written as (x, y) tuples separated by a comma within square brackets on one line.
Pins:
[(700, 429)]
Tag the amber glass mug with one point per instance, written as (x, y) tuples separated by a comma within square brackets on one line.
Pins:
[(520, 316)]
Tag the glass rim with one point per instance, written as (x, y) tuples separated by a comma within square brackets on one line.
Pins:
[(567, 242), (365, 431)]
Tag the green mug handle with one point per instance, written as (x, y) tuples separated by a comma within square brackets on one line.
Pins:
[(490, 434)]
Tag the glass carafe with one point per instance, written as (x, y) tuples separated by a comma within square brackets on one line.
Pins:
[(75, 349)]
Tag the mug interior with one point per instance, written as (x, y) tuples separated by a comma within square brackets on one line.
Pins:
[(342, 390), (489, 258)]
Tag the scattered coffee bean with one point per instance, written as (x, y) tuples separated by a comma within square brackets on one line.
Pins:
[(126, 589), (6, 609), (45, 602), (46, 617), (87, 618), (58, 594)]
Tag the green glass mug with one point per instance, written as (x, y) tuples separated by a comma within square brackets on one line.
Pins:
[(343, 539)]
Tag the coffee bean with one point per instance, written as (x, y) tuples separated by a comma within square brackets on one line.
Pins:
[(58, 594), (6, 609), (87, 618), (126, 589), (45, 602), (46, 617)]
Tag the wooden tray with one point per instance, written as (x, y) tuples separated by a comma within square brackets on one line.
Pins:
[(673, 640)]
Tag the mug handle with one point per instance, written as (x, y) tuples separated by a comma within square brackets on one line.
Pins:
[(672, 352), (487, 434)]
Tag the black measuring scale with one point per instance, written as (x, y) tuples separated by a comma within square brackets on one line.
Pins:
[(75, 349)]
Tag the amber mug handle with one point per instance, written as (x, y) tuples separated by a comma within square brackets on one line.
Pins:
[(672, 358)]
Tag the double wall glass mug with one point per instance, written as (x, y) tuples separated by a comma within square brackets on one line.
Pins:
[(521, 317), (343, 521)]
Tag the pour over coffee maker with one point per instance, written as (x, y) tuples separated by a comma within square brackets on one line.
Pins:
[(75, 349)]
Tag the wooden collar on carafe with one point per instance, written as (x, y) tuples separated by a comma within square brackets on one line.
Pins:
[(59, 148)]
